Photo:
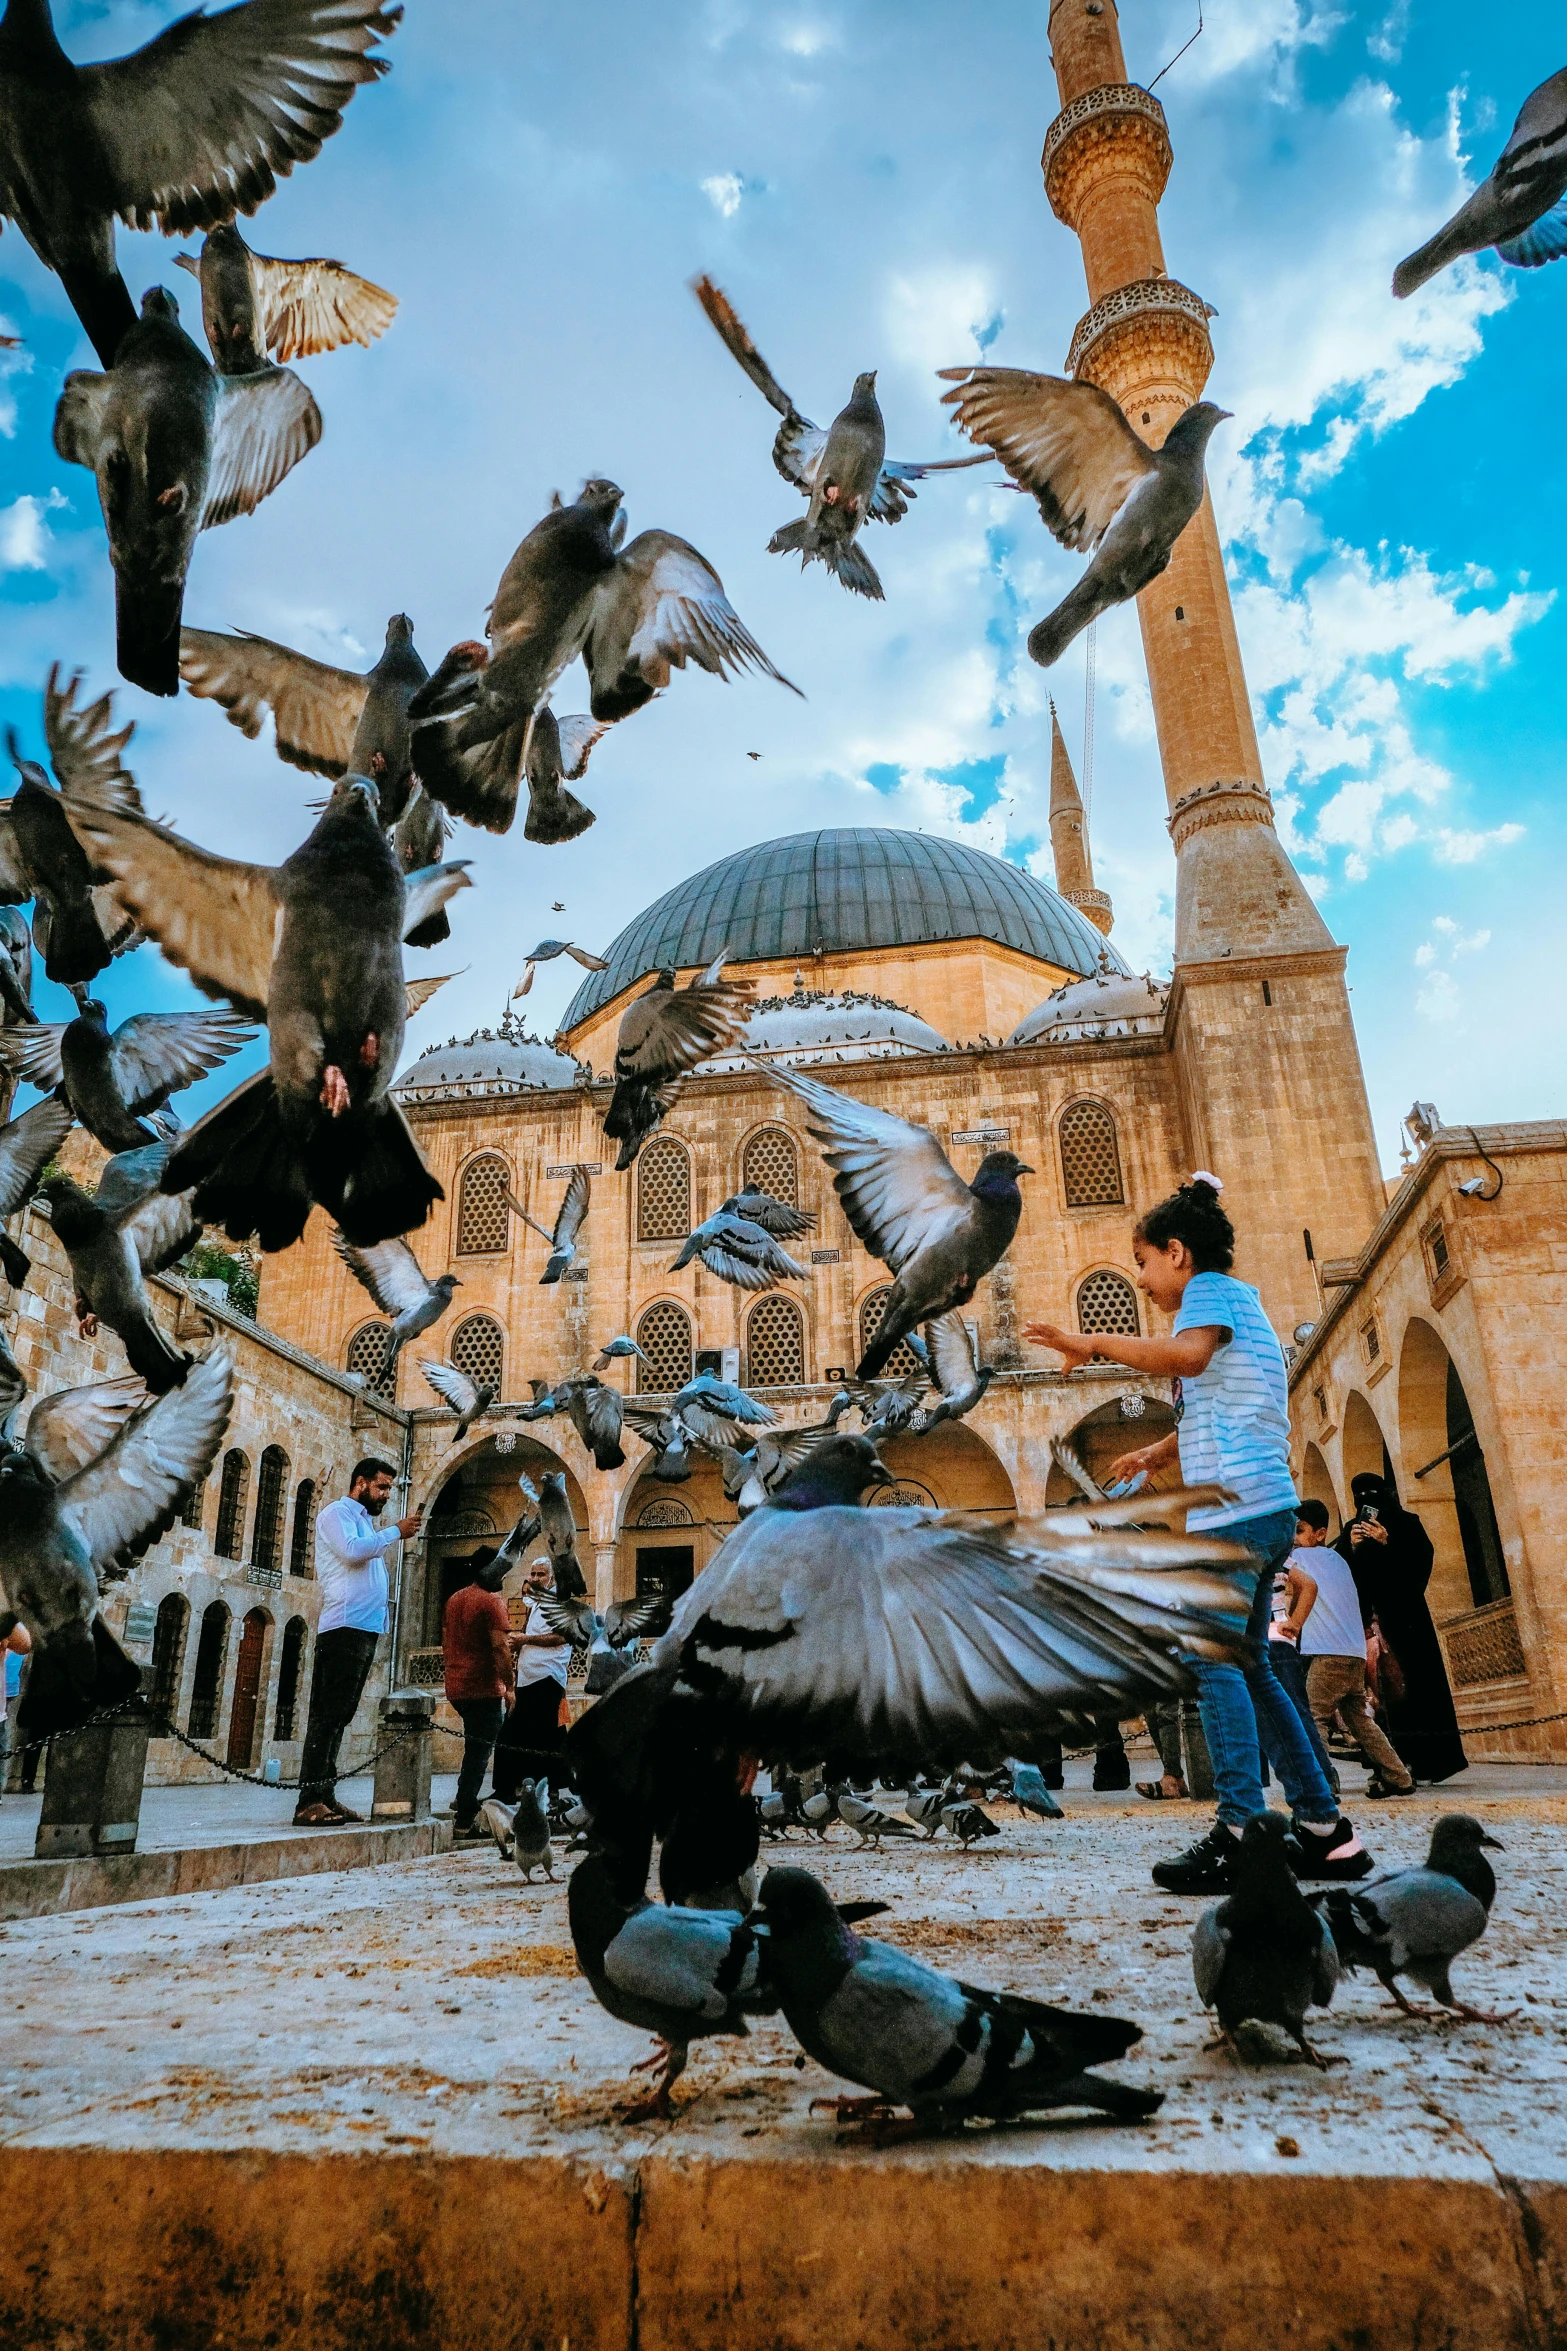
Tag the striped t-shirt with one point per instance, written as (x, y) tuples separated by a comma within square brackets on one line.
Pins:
[(1234, 1417)]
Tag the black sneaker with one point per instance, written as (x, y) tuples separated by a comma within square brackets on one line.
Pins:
[(1204, 1868), (1339, 1855)]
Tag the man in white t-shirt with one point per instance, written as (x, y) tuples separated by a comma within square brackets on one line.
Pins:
[(533, 1735), (351, 1552), (1333, 1651)]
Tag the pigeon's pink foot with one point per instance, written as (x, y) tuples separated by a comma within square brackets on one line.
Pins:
[(370, 1050), (831, 495), (174, 496), (654, 2109), (334, 1090), (378, 763), (855, 2109), (1468, 2015)]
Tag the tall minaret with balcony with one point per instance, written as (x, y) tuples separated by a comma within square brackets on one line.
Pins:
[(1074, 862)]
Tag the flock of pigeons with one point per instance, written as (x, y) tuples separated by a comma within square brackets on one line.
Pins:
[(821, 1630)]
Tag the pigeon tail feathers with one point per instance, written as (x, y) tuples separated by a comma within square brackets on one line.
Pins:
[(147, 633), (1049, 638), (845, 559)]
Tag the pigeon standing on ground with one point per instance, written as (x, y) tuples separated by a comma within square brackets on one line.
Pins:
[(77, 927), (664, 1034), (114, 1238), (923, 1807), (909, 1206), (546, 952), (845, 472), (1521, 208), (969, 1823), (314, 946), (868, 1821), (199, 123), (470, 1399), (570, 1218), (1263, 1955), (395, 1280), (254, 307), (114, 1083), (1415, 1922), (176, 449), (522, 1830), (26, 1147), (917, 2038), (1028, 1791), (1098, 484), (617, 1351), (741, 1253)]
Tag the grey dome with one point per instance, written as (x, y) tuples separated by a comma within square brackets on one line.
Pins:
[(842, 891), (810, 1027), (485, 1064), (1111, 1003)]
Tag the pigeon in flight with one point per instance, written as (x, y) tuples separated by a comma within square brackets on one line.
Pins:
[(26, 1147), (844, 472), (114, 1238), (98, 1477), (553, 1504), (77, 926), (741, 1253), (917, 2038), (199, 124), (622, 1623), (778, 1217), (331, 722), (470, 1399), (597, 1414), (16, 968), (112, 1083), (570, 1218), (1521, 208), (545, 952), (1100, 489), (616, 1351), (711, 1408), (1416, 1922), (909, 1206), (955, 1366), (664, 1034), (176, 449), (1263, 1955), (391, 1273), (667, 1438), (314, 947), (558, 754), (254, 307), (662, 606)]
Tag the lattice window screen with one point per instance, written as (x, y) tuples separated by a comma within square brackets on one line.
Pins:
[(1090, 1159), (663, 1191), (367, 1356), (664, 1334), (903, 1359), (773, 1164), (1107, 1302), (483, 1224), (775, 1344), (266, 1541), (479, 1349), (232, 1496)]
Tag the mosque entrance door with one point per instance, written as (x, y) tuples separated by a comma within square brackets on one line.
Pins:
[(247, 1690), (665, 1568)]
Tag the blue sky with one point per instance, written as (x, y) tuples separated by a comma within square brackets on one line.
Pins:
[(538, 186)]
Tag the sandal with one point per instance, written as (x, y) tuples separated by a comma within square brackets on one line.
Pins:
[(1157, 1793), (317, 1816)]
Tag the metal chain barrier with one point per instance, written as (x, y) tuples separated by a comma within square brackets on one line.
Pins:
[(254, 1779)]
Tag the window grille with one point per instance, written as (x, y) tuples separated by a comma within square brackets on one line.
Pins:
[(168, 1658), (1090, 1157), (905, 1494), (478, 1348), (1107, 1302), (772, 1163), (367, 1356), (266, 1540), (233, 1493), (775, 1344), (1319, 1397), (207, 1688), (290, 1675), (664, 1335), (665, 1514), (483, 1222), (1371, 1340), (1438, 1241), (663, 1191), (903, 1359), (301, 1549), (195, 1505)]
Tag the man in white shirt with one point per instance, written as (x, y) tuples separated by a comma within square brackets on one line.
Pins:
[(351, 1570), (532, 1736)]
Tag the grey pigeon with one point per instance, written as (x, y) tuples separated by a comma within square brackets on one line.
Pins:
[(1100, 488), (662, 606), (605, 1638), (470, 1399), (1028, 1790), (254, 307), (776, 1453), (547, 1401), (330, 722), (778, 1217), (473, 719), (314, 946), (546, 951), (596, 1413), (114, 1238), (711, 1407), (616, 1351), (77, 927), (16, 969), (176, 449), (81, 1498), (868, 1821), (558, 753), (956, 1368), (908, 1205), (112, 1083), (894, 1409), (1416, 1922), (26, 1147), (419, 839), (741, 1253), (198, 124), (1263, 1955), (570, 1218), (395, 1280), (917, 2038), (668, 1437), (1519, 208), (923, 1806), (845, 472), (522, 1830), (969, 1823), (560, 1527), (664, 1034)]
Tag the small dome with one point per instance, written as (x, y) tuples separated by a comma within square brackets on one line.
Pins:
[(811, 1027), (1110, 1004), (484, 1064)]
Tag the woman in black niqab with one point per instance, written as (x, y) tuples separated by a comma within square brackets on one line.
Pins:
[(1390, 1558)]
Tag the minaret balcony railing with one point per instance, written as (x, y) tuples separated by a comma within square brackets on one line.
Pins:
[(1118, 114), (1146, 302)]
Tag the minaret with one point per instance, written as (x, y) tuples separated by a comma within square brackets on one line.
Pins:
[(1069, 839), (1270, 1071)]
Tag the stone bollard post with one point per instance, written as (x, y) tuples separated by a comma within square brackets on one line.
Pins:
[(92, 1789), (402, 1774), (1198, 1769)]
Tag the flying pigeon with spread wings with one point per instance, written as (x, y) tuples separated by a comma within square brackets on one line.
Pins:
[(1520, 207), (254, 307), (112, 1083), (77, 926), (665, 1033)]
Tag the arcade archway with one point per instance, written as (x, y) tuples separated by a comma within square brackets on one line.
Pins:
[(474, 1509), (1123, 1425)]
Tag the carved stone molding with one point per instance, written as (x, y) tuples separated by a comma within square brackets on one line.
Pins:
[(1219, 804), (1119, 127), (1153, 331), (1094, 903)]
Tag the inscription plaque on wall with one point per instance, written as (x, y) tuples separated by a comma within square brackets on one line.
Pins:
[(824, 1256), (141, 1621), (993, 1138), (588, 1167)]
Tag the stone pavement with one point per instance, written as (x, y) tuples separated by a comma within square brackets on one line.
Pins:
[(223, 1812), (379, 2107)]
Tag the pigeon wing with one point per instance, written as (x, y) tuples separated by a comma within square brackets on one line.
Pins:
[(662, 606), (315, 708), (70, 1429), (572, 1213), (389, 1271), (311, 306), (85, 748), (894, 487), (626, 1620), (578, 734), (264, 424), (138, 1485), (951, 1353), (213, 916), (32, 1054), (777, 1217), (452, 1384), (1544, 240), (893, 1178), (417, 993), (162, 1227), (199, 124), (1210, 1950), (723, 315), (161, 1053), (429, 890), (668, 1031), (1068, 443), (129, 1176), (16, 883), (26, 1147), (1425, 1915)]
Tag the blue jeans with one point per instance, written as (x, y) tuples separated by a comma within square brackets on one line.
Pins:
[(1242, 1704), (1289, 1668)]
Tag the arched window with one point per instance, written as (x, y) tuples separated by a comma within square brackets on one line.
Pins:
[(772, 1163), (775, 1343), (207, 1688), (367, 1356), (664, 1335), (266, 1536), (1107, 1302), (1090, 1157), (479, 1348), (233, 1492), (301, 1561), (195, 1506), (483, 1223), (290, 1677), (663, 1191), (168, 1659), (903, 1359)]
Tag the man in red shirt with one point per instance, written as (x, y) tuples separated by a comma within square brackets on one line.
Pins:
[(475, 1640)]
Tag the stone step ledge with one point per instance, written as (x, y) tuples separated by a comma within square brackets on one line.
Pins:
[(41, 1889)]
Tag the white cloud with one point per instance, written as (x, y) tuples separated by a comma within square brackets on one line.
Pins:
[(724, 192), (25, 539), (1439, 998), (1463, 848)]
